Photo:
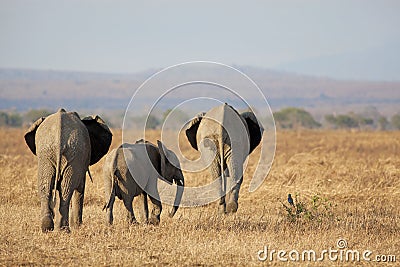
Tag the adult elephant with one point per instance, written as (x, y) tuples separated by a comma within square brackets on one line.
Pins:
[(65, 146), (225, 138)]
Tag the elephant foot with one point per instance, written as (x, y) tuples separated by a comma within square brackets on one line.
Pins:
[(132, 222), (154, 221), (47, 224), (110, 219), (131, 219), (77, 223), (172, 212), (231, 207), (65, 229), (222, 209)]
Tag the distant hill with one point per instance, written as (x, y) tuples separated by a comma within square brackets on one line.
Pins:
[(26, 89), (373, 64)]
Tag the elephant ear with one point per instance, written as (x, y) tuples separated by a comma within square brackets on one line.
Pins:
[(255, 129), (31, 133), (191, 131), (100, 137), (166, 156)]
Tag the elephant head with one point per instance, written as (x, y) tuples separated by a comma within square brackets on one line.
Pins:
[(171, 171)]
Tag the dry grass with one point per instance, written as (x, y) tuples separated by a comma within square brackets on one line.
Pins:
[(359, 172)]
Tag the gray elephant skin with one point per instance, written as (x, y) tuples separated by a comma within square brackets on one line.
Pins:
[(65, 146), (133, 170), (225, 138)]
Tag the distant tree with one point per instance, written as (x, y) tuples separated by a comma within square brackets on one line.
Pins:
[(371, 112), (331, 119), (15, 120), (395, 121), (364, 122), (350, 120), (383, 123), (367, 121), (10, 119), (294, 118), (166, 113), (178, 115), (152, 122), (3, 118), (34, 114), (346, 121)]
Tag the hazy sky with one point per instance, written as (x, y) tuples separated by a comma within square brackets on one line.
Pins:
[(130, 36)]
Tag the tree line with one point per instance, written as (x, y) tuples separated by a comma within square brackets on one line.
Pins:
[(286, 118), (17, 119), (292, 118)]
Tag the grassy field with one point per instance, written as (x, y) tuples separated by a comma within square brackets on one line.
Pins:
[(353, 178)]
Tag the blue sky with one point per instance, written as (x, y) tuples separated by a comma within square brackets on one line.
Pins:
[(310, 37)]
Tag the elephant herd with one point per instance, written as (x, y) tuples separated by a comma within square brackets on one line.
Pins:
[(66, 145)]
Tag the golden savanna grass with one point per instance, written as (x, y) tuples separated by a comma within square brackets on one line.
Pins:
[(358, 172)]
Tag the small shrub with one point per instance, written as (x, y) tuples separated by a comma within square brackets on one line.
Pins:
[(316, 209)]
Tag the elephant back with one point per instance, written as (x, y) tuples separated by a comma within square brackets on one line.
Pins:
[(226, 123), (64, 134)]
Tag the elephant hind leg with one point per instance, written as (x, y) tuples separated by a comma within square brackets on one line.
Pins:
[(222, 205), (234, 181), (64, 211), (77, 203), (233, 198), (222, 200), (155, 212), (65, 192), (215, 172), (47, 224), (46, 176), (142, 207), (110, 217), (128, 205)]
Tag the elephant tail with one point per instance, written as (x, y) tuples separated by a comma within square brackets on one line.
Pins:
[(111, 199), (90, 175), (58, 171), (113, 180), (221, 154)]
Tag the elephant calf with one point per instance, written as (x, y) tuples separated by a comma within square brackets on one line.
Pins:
[(132, 170), (65, 146)]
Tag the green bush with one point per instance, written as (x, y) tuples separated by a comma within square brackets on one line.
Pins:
[(396, 121), (346, 121), (289, 118), (383, 123), (10, 119), (350, 120)]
